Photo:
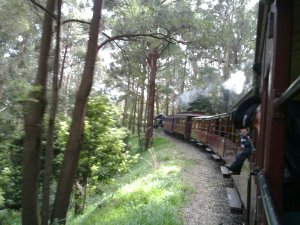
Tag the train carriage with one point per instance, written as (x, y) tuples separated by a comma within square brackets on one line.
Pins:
[(278, 57), (180, 124), (214, 140), (200, 127), (168, 124), (268, 195)]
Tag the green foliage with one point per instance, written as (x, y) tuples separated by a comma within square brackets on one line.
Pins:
[(10, 217), (104, 153), (10, 173), (206, 105), (19, 23), (145, 195)]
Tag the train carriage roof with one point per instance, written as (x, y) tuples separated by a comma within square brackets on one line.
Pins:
[(205, 117)]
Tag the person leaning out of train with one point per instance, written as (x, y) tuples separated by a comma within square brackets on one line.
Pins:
[(246, 147), (248, 115), (245, 119)]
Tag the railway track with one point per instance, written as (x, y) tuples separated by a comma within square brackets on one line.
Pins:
[(208, 203)]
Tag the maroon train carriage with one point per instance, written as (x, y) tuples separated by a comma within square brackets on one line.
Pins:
[(230, 136), (216, 133), (168, 124), (180, 124), (200, 128), (276, 193)]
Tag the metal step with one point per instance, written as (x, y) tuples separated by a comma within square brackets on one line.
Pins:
[(235, 203), (208, 149), (200, 144), (225, 171), (216, 157)]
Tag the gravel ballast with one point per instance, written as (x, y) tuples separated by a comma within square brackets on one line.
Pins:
[(208, 203)]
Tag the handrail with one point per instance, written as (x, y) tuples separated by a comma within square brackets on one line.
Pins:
[(288, 94), (268, 203)]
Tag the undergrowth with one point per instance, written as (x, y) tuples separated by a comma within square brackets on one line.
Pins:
[(152, 192)]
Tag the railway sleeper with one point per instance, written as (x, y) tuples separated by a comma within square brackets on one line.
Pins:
[(235, 202)]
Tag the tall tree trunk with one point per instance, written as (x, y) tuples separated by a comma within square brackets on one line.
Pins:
[(195, 69), (184, 73), (151, 97), (167, 100), (126, 105), (80, 193), (131, 106), (146, 104), (50, 133), (33, 119), (71, 157), (125, 111), (157, 104), (173, 104), (226, 74), (141, 109), (135, 104)]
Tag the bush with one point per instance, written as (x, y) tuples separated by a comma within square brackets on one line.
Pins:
[(103, 154)]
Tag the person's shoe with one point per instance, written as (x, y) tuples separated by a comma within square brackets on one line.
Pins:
[(232, 171)]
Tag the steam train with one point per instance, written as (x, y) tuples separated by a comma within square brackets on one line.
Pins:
[(262, 185)]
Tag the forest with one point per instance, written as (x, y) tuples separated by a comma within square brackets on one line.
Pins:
[(80, 78)]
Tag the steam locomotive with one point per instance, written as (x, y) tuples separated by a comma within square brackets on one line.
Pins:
[(261, 189)]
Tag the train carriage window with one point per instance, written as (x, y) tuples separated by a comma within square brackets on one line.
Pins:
[(216, 126), (207, 125), (224, 127), (222, 133), (221, 127), (200, 126), (210, 126)]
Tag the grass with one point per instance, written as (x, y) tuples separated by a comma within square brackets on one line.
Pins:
[(153, 192)]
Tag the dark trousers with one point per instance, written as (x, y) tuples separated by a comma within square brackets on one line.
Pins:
[(237, 165)]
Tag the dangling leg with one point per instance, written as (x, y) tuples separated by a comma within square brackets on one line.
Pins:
[(237, 165)]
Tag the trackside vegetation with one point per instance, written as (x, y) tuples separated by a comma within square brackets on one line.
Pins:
[(104, 154), (152, 192)]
